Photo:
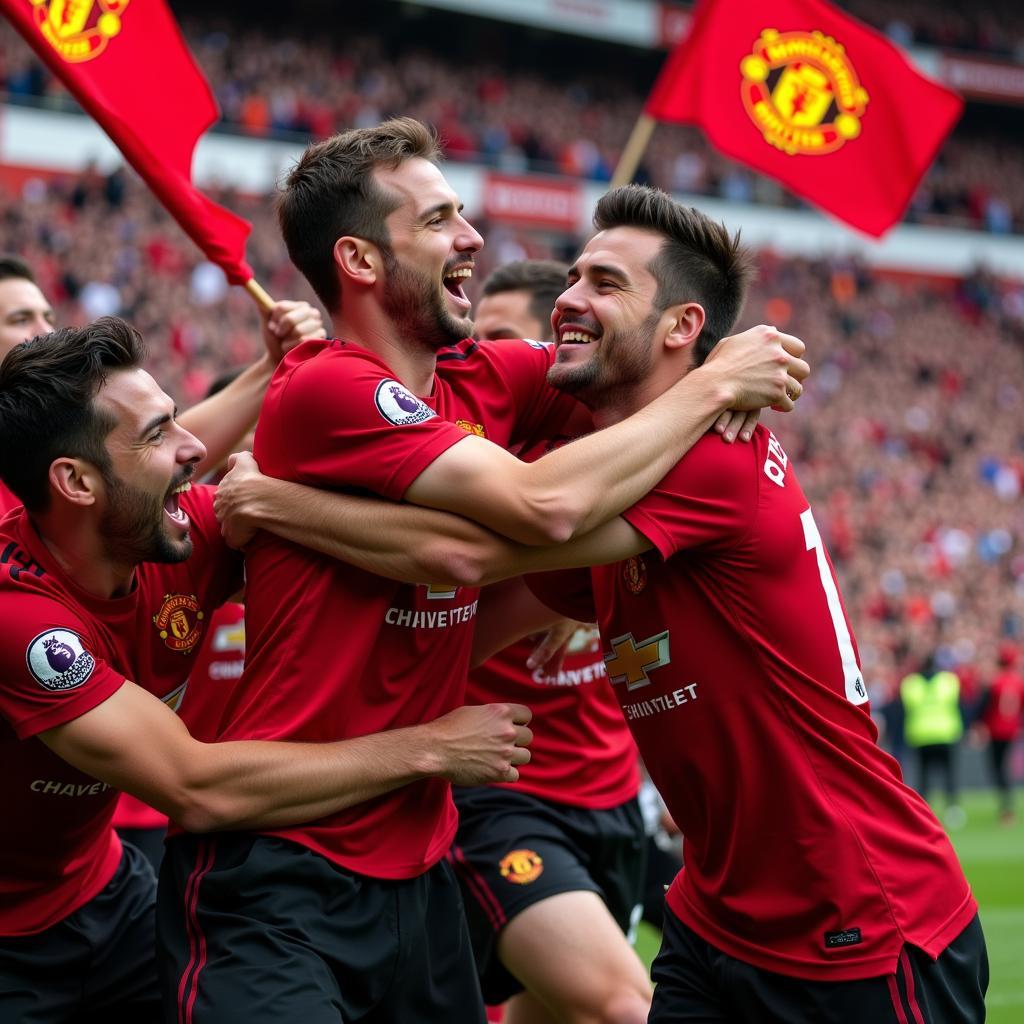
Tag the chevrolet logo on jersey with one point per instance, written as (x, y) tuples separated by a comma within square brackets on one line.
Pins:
[(441, 592), (630, 662)]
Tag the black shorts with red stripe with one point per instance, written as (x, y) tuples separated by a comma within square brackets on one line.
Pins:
[(513, 850), (97, 965), (695, 981), (255, 929)]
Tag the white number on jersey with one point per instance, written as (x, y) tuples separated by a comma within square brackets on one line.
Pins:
[(854, 681)]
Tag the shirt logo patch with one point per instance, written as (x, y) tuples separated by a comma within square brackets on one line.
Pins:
[(630, 662), (520, 867), (847, 937), (58, 661), (634, 575), (471, 428), (180, 622), (398, 405)]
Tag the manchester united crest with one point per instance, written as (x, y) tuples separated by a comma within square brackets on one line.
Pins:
[(634, 575), (471, 428), (802, 92), (180, 622), (520, 867), (78, 30)]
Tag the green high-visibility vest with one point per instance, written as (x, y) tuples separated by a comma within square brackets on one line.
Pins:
[(932, 709)]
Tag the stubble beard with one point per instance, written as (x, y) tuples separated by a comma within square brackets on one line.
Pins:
[(417, 308), (133, 527)]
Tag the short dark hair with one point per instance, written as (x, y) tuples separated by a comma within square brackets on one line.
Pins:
[(331, 193), (12, 266), (698, 262), (47, 409), (545, 280)]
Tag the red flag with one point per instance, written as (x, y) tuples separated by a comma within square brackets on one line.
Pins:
[(806, 94), (127, 64)]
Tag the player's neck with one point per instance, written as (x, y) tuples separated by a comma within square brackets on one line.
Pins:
[(79, 551), (621, 402), (413, 365)]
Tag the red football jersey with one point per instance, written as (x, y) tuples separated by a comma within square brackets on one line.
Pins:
[(334, 652), (8, 500), (582, 752), (736, 670), (62, 652), (214, 672)]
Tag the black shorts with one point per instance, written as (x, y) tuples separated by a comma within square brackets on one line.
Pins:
[(695, 982), (513, 850), (254, 928), (98, 964)]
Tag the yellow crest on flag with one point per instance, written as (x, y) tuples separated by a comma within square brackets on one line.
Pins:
[(78, 30), (802, 92)]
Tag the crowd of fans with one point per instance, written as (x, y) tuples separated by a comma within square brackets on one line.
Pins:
[(909, 441), (269, 84)]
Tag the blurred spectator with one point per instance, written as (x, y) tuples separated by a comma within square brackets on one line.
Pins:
[(1000, 717)]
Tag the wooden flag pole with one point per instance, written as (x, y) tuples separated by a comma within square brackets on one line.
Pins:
[(259, 295), (634, 151)]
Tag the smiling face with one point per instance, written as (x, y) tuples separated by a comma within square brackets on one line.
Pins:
[(152, 459), (24, 313), (605, 323), (430, 255)]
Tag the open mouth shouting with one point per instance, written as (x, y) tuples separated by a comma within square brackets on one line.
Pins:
[(454, 278), (172, 506)]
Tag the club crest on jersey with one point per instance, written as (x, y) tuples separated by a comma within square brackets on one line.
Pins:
[(398, 405), (630, 662), (802, 92), (471, 428), (58, 661), (520, 867), (634, 575), (78, 30), (180, 622)]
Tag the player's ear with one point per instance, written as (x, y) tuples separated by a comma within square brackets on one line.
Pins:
[(685, 322), (357, 259), (75, 481)]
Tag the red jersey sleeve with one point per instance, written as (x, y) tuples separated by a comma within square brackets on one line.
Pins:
[(541, 411), (707, 500), (567, 591), (50, 675), (335, 416)]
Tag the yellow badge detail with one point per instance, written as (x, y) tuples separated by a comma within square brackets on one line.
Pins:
[(471, 428), (520, 867), (634, 575), (802, 92), (78, 30), (630, 662), (180, 622)]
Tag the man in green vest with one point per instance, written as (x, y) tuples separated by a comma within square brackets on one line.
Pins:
[(933, 726)]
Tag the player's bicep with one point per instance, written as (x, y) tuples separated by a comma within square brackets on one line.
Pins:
[(131, 741), (613, 541), (507, 612)]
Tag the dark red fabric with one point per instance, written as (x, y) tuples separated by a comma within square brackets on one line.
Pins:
[(827, 106), (128, 66)]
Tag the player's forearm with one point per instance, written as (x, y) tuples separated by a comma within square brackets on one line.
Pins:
[(594, 479), (222, 420), (250, 784)]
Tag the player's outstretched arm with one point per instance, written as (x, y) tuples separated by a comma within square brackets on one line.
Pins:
[(135, 743), (399, 541), (584, 484), (223, 419)]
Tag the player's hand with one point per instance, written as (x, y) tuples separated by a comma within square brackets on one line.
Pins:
[(733, 425), (288, 323), (760, 367), (483, 744), (233, 500), (550, 652)]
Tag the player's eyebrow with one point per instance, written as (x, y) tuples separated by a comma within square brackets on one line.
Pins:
[(157, 421), (443, 207)]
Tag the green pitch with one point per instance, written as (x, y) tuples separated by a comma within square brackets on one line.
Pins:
[(993, 858)]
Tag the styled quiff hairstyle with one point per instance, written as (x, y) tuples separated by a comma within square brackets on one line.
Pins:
[(47, 412), (14, 267), (331, 193), (698, 262), (543, 280)]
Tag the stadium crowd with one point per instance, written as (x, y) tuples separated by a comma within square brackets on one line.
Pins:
[(273, 84), (910, 438)]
